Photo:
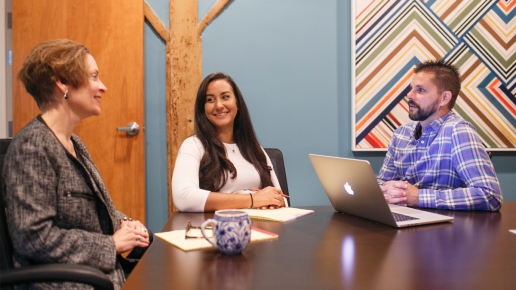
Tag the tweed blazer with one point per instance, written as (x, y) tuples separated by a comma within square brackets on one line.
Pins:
[(58, 210)]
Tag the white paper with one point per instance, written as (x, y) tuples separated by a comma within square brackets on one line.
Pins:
[(177, 238)]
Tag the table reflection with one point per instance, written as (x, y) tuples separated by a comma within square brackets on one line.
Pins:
[(351, 248), (226, 272), (461, 249), (348, 258)]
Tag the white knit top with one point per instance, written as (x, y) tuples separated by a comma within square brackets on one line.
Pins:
[(185, 181)]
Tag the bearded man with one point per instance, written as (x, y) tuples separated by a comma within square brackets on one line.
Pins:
[(439, 160)]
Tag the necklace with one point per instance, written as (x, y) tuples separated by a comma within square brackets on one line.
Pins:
[(232, 147)]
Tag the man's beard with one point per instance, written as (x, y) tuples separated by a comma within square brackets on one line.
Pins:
[(420, 114)]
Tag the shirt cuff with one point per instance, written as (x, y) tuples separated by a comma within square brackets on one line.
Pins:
[(428, 198)]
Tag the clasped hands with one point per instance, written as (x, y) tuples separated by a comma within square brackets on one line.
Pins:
[(268, 198), (401, 193), (131, 234)]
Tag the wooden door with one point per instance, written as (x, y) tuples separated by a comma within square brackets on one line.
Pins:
[(113, 31)]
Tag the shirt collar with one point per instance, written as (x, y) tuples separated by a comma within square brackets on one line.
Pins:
[(435, 125)]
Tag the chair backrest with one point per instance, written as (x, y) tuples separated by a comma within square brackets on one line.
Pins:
[(279, 168), (6, 251)]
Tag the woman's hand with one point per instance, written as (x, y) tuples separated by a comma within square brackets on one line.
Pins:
[(268, 198), (130, 235)]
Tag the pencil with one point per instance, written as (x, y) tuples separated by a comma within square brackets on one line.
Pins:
[(254, 189)]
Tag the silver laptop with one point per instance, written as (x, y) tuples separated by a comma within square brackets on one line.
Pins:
[(352, 188)]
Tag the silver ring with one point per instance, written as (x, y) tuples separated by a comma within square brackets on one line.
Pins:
[(139, 243)]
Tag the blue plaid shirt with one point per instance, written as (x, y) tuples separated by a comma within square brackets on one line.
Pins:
[(448, 164)]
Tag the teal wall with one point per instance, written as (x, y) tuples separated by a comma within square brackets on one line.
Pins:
[(283, 56), (292, 62), (156, 122)]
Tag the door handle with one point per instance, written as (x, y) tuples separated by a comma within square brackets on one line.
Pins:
[(131, 129)]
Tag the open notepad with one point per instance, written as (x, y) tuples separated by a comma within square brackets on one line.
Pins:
[(283, 214), (177, 238)]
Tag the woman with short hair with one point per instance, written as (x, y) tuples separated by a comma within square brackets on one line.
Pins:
[(224, 156), (57, 206)]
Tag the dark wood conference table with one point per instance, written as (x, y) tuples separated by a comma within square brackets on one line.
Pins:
[(330, 250)]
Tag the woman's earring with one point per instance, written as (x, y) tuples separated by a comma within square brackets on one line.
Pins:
[(65, 96)]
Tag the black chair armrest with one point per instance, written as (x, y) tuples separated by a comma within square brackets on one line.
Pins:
[(56, 273)]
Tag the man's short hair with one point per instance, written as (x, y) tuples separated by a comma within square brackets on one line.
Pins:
[(446, 77)]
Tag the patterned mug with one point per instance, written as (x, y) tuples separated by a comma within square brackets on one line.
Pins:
[(231, 231)]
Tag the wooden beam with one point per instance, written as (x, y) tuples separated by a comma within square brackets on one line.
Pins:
[(214, 11), (183, 79), (184, 71), (156, 23)]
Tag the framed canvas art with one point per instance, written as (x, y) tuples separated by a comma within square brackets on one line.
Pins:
[(391, 37)]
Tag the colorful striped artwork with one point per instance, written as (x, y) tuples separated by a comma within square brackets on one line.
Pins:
[(391, 37)]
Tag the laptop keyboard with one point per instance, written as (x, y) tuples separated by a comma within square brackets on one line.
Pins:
[(401, 217)]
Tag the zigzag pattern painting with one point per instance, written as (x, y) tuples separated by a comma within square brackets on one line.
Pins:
[(391, 37)]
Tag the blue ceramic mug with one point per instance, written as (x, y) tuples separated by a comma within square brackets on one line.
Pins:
[(231, 231)]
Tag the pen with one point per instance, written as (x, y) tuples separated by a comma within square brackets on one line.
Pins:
[(254, 189)]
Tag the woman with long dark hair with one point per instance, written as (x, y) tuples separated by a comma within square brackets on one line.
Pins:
[(224, 156)]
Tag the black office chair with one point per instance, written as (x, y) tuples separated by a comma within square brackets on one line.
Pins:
[(10, 276), (279, 168)]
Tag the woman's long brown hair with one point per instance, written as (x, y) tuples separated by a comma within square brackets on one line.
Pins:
[(215, 166)]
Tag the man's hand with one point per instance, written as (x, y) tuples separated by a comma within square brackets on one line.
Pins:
[(401, 193)]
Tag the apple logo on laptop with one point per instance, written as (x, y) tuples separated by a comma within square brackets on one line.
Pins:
[(347, 187)]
